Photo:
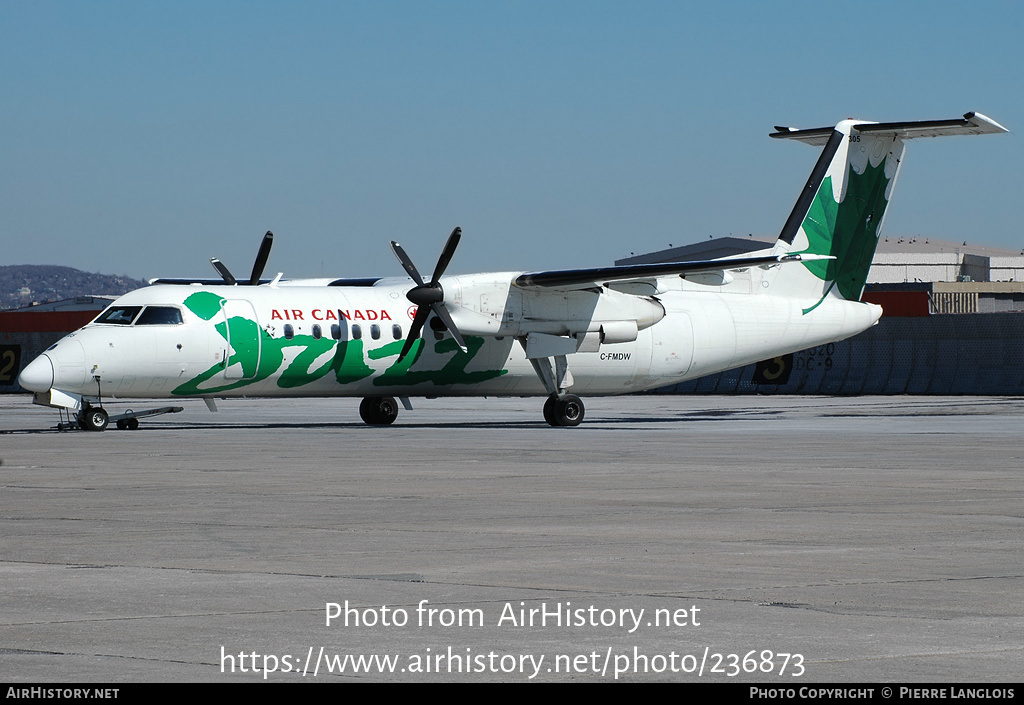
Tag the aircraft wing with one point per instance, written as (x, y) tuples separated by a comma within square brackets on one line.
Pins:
[(196, 282), (362, 282), (584, 278), (970, 124)]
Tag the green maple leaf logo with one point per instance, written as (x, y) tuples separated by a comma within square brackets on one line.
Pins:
[(847, 230)]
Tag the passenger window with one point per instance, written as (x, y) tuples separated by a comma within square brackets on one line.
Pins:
[(316, 331), (159, 316), (119, 315), (336, 331), (357, 332), (289, 331), (375, 331), (396, 331)]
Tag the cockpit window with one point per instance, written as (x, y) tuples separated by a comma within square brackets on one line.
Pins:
[(159, 316), (119, 315)]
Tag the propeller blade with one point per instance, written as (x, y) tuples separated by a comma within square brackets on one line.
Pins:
[(407, 264), (442, 313), (429, 297), (261, 258), (414, 331), (223, 271), (446, 254)]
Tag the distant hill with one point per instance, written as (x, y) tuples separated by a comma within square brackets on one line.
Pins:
[(22, 284)]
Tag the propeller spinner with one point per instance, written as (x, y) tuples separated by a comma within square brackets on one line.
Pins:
[(429, 297), (257, 267)]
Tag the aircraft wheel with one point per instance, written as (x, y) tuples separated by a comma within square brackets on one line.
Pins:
[(95, 419), (568, 410), (378, 411), (549, 410)]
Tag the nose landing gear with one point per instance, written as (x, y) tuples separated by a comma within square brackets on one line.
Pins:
[(94, 418)]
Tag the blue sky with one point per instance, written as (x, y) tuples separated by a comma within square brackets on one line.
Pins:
[(143, 138)]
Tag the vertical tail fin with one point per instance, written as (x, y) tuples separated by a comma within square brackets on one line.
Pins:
[(841, 209)]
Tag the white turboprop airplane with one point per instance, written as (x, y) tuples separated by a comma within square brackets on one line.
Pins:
[(556, 334)]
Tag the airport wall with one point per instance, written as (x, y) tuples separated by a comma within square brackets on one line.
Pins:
[(939, 354)]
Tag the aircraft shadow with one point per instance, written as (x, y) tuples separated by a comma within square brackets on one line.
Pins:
[(604, 422)]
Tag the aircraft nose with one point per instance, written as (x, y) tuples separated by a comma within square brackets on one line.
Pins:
[(38, 375)]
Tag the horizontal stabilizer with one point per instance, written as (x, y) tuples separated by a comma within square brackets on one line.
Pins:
[(970, 124)]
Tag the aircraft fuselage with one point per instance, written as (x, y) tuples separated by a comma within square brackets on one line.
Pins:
[(338, 341)]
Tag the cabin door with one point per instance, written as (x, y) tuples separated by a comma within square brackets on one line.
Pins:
[(242, 356)]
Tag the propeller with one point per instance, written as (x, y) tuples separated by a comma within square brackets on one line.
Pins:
[(257, 267), (429, 297)]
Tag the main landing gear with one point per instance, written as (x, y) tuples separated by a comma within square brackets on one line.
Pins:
[(378, 411), (565, 410), (559, 410)]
